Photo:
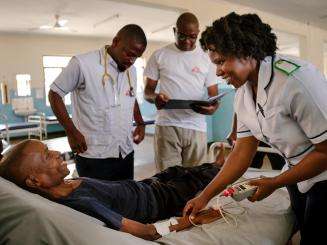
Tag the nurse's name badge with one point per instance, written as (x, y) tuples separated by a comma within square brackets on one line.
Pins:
[(286, 66)]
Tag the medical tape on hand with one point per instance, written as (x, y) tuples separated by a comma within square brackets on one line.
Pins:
[(173, 221), (163, 227)]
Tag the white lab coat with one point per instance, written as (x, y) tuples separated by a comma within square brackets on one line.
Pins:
[(107, 128), (290, 113)]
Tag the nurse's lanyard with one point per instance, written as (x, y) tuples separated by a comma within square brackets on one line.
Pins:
[(106, 76)]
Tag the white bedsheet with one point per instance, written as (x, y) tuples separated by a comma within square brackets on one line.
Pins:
[(269, 221), (27, 218)]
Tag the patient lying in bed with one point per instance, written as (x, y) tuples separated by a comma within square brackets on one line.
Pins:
[(129, 206)]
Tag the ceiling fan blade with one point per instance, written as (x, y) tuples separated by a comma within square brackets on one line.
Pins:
[(73, 30), (34, 29), (62, 22), (163, 28), (110, 18), (61, 28), (45, 27)]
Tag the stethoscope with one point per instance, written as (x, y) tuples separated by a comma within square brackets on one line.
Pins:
[(106, 76)]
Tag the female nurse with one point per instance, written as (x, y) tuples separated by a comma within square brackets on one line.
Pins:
[(281, 101)]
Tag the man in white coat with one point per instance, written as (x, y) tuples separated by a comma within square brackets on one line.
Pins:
[(103, 105)]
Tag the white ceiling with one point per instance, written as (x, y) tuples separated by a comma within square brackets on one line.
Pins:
[(25, 16), (313, 12)]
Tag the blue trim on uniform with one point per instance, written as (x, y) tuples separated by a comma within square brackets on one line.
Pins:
[(272, 71), (272, 75), (60, 88), (311, 138), (245, 131), (301, 152)]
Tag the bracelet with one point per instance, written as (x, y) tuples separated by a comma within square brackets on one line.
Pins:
[(140, 124)]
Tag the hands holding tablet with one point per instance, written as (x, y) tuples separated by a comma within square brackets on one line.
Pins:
[(161, 100), (206, 107)]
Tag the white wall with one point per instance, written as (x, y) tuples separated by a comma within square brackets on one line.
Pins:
[(325, 58), (312, 38), (23, 53)]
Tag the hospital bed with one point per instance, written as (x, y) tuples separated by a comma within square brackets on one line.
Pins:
[(45, 121), (31, 127), (28, 218), (52, 120), (226, 145)]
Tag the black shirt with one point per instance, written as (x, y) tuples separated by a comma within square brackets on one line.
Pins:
[(110, 201)]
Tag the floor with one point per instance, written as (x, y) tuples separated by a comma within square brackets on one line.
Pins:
[(144, 159)]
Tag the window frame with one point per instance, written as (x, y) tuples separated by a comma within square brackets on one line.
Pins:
[(66, 100), (26, 93)]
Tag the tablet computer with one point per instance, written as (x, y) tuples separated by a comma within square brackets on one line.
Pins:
[(187, 104)]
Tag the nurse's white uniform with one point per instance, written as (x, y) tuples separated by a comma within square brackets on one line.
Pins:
[(290, 113)]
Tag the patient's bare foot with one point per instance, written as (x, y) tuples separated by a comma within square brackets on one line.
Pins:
[(220, 159)]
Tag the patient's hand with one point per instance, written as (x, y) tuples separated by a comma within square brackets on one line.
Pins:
[(206, 216), (145, 231), (148, 231), (1, 148), (203, 217)]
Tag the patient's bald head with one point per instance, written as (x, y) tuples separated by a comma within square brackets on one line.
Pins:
[(30, 164), (15, 165)]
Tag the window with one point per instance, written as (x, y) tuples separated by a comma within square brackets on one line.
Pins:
[(4, 93), (52, 66), (288, 44), (23, 84), (139, 65)]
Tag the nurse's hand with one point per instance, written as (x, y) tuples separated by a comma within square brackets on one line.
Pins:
[(138, 134), (1, 148), (76, 141), (161, 100), (231, 138), (205, 110), (266, 186), (195, 205)]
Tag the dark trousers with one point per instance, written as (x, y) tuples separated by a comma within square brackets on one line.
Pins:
[(106, 169), (176, 185), (310, 211), (277, 162)]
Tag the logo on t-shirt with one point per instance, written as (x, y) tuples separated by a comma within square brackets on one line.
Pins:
[(196, 69)]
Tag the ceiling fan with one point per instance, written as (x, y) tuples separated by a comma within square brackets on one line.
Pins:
[(59, 25)]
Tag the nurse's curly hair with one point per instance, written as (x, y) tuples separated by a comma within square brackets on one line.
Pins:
[(240, 36)]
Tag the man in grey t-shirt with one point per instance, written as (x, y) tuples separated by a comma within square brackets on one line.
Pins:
[(184, 71)]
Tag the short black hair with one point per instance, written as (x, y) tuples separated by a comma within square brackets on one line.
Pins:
[(133, 31), (11, 165), (186, 18), (240, 36)]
